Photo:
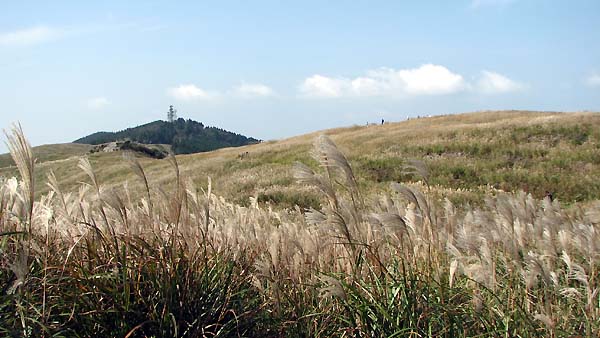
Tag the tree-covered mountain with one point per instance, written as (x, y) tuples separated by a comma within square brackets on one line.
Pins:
[(184, 136)]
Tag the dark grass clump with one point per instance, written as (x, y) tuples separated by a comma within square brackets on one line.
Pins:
[(146, 289)]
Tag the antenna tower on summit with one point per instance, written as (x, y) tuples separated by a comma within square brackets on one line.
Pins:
[(172, 114)]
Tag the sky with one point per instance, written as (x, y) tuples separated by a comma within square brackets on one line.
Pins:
[(275, 69)]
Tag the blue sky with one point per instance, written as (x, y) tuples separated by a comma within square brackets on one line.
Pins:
[(273, 69)]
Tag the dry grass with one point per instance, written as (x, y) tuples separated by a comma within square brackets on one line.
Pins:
[(50, 152), (399, 263), (468, 155)]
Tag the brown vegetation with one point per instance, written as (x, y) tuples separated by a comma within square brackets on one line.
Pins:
[(397, 263)]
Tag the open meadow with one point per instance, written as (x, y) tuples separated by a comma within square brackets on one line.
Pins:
[(481, 224)]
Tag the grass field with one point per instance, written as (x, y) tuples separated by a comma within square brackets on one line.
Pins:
[(467, 156), (51, 152), (153, 248)]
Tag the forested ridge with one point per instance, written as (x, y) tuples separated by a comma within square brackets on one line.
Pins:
[(185, 136)]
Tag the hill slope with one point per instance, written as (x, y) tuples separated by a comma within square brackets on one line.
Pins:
[(50, 152), (185, 136), (468, 156)]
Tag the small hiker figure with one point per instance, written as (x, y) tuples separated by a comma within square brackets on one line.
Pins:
[(549, 196), (382, 121)]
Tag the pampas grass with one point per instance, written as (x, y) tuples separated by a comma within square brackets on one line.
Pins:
[(20, 151), (185, 262)]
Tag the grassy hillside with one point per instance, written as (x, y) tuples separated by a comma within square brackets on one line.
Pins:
[(174, 259), (467, 156), (50, 152)]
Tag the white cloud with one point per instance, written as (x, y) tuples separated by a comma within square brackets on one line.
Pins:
[(366, 86), (427, 79), (30, 36), (593, 80), (250, 90), (494, 83), (98, 102), (323, 86), (189, 92)]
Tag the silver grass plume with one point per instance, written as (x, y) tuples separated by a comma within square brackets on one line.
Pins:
[(54, 186), (305, 175), (332, 288), (417, 167), (330, 157), (86, 166), (406, 192), (137, 168), (20, 150), (179, 199)]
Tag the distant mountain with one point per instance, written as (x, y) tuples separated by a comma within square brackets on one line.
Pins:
[(184, 136)]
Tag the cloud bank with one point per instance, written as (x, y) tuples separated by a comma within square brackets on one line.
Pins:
[(428, 79), (425, 80)]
